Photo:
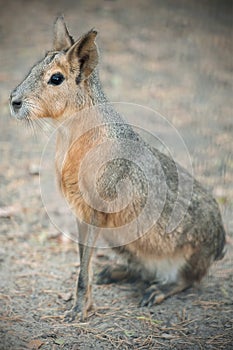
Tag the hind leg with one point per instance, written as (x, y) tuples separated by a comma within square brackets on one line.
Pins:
[(189, 274), (157, 293), (114, 274)]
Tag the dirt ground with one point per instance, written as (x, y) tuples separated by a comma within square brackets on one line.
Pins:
[(174, 57)]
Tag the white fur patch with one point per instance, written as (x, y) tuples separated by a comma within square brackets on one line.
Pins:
[(165, 270)]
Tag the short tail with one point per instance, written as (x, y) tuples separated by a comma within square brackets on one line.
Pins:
[(221, 249)]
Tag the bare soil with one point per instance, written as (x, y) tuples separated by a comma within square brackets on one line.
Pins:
[(172, 56)]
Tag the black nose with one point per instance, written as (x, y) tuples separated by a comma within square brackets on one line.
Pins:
[(16, 104)]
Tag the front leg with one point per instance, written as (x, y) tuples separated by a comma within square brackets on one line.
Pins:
[(83, 297)]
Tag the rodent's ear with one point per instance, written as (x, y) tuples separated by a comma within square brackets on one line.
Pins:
[(84, 55), (62, 39)]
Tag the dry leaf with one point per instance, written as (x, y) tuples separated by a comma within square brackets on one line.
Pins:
[(65, 296), (7, 212), (35, 344), (34, 169)]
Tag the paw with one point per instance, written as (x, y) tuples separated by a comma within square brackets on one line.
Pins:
[(112, 274), (75, 313), (153, 295), (70, 315)]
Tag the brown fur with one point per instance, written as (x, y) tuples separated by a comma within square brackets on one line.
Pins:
[(176, 260)]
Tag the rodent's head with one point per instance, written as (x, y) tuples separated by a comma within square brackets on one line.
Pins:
[(57, 86)]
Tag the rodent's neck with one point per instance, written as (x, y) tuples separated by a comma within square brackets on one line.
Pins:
[(97, 94), (105, 107)]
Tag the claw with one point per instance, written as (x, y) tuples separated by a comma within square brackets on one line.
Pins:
[(75, 313), (152, 296), (70, 315)]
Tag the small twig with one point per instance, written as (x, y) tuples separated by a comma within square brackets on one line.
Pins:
[(51, 316)]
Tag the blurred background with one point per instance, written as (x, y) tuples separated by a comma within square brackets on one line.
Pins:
[(172, 56)]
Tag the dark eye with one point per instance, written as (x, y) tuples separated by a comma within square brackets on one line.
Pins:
[(56, 79)]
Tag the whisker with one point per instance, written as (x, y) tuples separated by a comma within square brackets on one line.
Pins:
[(26, 123), (37, 124), (32, 125), (42, 126)]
